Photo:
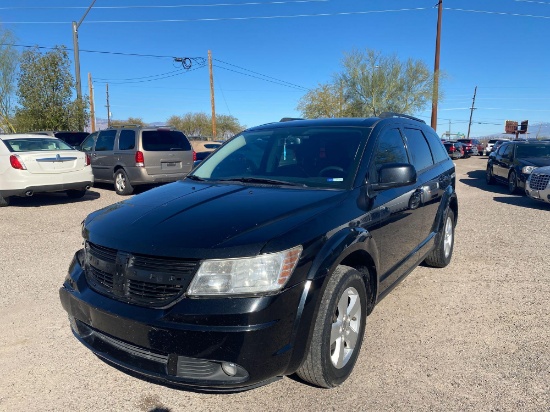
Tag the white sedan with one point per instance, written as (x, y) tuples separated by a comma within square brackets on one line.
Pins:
[(35, 164)]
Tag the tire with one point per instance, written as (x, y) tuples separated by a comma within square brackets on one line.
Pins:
[(338, 330), (489, 178), (123, 186), (76, 194), (443, 252), (4, 201), (512, 182)]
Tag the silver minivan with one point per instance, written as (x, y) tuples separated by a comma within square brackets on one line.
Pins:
[(134, 155)]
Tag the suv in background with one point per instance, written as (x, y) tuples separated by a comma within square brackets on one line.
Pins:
[(72, 138), (304, 227), (470, 146), (134, 155)]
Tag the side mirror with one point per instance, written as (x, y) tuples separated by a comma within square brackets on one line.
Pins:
[(394, 175)]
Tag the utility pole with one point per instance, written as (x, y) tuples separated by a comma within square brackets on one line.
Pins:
[(472, 112), (435, 96), (77, 57), (212, 95), (92, 107), (108, 108)]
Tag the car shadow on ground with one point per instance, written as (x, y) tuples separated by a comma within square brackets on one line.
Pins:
[(477, 180), (49, 199)]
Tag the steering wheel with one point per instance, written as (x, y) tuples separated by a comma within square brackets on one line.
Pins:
[(331, 169)]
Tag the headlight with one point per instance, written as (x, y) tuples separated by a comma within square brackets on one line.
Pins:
[(527, 169), (260, 274)]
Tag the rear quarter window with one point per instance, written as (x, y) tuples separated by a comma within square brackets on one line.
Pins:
[(164, 141)]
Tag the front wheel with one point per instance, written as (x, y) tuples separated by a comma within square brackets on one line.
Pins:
[(441, 255), (512, 182), (338, 330), (489, 178), (123, 186)]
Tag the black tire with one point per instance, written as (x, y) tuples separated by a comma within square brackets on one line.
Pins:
[(4, 201), (76, 193), (512, 182), (325, 365), (123, 186), (489, 178), (443, 251)]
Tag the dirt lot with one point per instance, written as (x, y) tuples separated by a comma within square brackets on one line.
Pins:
[(472, 336)]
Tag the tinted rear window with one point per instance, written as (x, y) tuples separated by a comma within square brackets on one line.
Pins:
[(164, 141), (73, 138)]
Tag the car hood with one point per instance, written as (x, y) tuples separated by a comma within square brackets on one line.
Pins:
[(197, 220), (535, 161)]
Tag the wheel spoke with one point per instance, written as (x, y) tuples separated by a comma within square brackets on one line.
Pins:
[(335, 331), (351, 338), (339, 354), (354, 306), (343, 305)]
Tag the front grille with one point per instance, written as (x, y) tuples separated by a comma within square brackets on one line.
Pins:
[(138, 279), (539, 181)]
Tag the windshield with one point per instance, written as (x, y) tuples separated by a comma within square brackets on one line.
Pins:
[(314, 157), (36, 144), (541, 150)]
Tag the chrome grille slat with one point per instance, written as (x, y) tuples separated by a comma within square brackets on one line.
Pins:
[(539, 181), (137, 279)]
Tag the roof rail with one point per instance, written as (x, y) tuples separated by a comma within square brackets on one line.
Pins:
[(288, 119), (386, 115)]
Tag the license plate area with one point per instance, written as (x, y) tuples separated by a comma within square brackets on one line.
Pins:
[(170, 165)]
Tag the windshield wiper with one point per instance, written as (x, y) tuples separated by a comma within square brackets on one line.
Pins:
[(261, 180), (196, 178)]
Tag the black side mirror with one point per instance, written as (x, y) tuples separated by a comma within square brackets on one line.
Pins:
[(394, 175)]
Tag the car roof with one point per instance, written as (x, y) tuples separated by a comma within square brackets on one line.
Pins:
[(26, 136), (341, 121)]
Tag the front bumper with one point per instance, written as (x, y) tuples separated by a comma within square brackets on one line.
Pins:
[(194, 341)]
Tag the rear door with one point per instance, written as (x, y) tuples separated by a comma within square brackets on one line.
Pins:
[(103, 160), (166, 151)]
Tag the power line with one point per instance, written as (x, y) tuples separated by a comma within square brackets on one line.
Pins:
[(500, 13), (263, 78), (164, 7), (225, 18)]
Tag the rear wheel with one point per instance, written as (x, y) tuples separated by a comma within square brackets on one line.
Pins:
[(338, 330), (4, 201), (76, 194), (123, 186), (512, 182), (441, 255)]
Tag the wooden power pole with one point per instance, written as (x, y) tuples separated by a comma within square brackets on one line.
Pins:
[(108, 108), (435, 96), (212, 95), (92, 108), (472, 112)]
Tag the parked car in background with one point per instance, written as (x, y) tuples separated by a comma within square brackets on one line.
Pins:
[(36, 164), (470, 146), (72, 138), (513, 162), (304, 227), (455, 150), (202, 149), (538, 184), (134, 155)]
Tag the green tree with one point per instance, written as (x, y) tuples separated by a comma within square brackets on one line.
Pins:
[(369, 84), (8, 69), (130, 121), (227, 126), (45, 90)]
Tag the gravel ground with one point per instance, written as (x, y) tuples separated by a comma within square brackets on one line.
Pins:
[(473, 336)]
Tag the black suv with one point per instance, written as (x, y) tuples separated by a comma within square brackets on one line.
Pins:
[(266, 260), (513, 162)]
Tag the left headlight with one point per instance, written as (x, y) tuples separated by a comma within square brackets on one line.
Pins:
[(240, 276), (527, 169)]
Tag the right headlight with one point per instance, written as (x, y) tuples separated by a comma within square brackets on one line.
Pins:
[(242, 276)]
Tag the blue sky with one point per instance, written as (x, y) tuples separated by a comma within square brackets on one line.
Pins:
[(267, 54)]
